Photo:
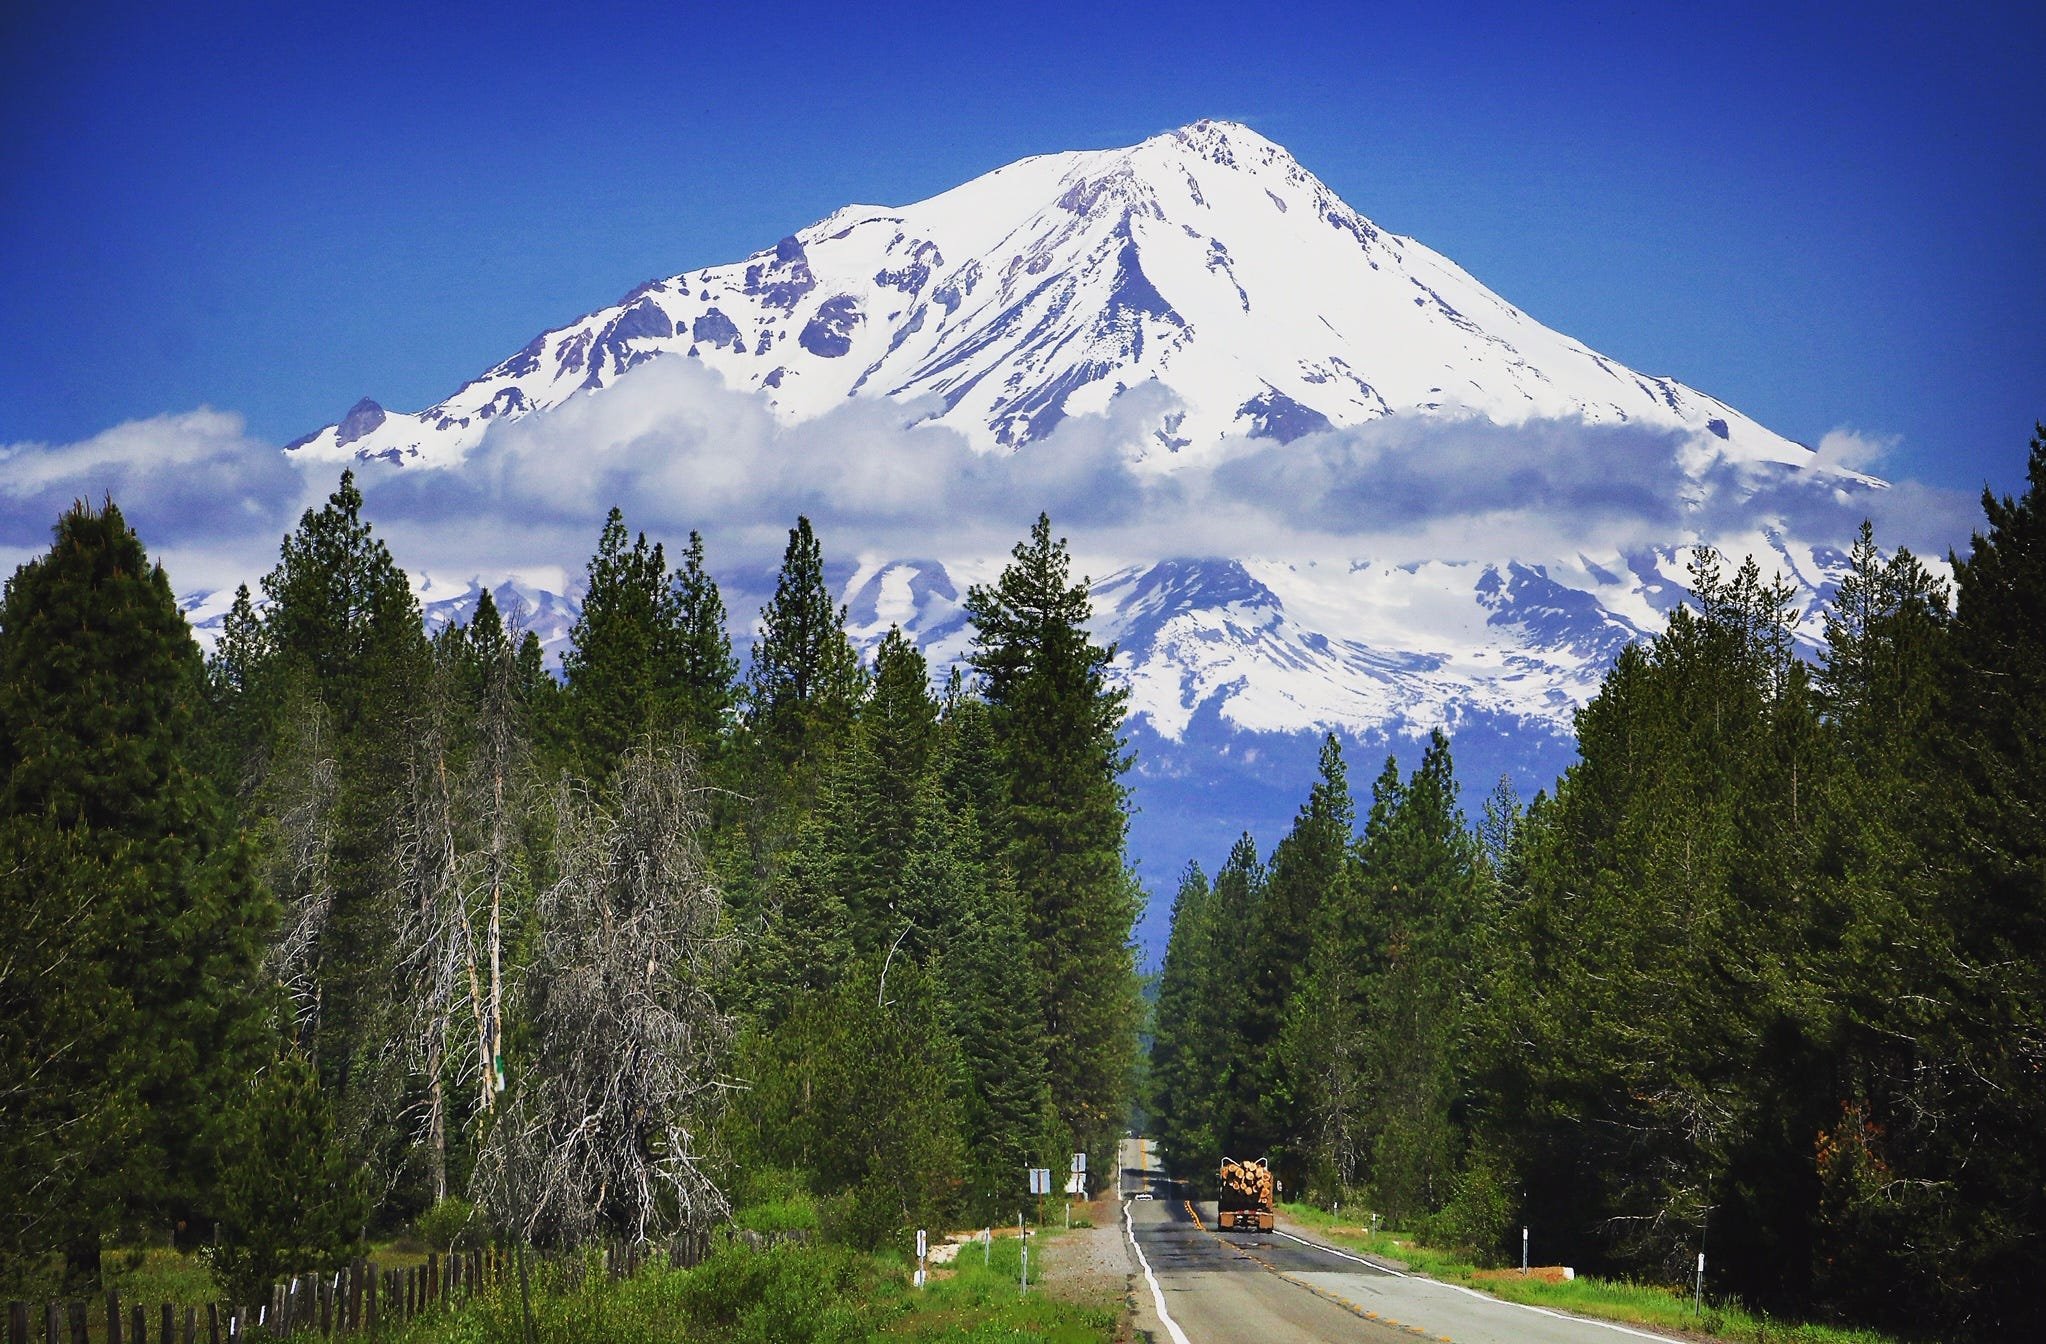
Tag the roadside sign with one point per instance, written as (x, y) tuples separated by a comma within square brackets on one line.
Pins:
[(922, 1245), (1080, 1162), (1040, 1180), (1076, 1184)]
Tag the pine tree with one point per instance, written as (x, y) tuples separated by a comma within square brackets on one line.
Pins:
[(102, 769), (1237, 1069), (345, 652), (75, 1142), (1182, 1058), (291, 1199), (620, 680), (1991, 840), (1422, 875), (803, 688), (1056, 721), (859, 1090), (967, 925), (899, 722), (705, 673), (1307, 871)]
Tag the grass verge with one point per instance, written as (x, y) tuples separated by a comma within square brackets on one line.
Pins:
[(787, 1294), (1653, 1306), (792, 1293)]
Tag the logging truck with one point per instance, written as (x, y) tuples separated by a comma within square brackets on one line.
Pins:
[(1245, 1204)]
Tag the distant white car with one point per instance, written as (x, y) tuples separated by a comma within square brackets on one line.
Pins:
[(1144, 1194)]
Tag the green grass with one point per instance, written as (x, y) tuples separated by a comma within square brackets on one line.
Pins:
[(788, 1294), (1645, 1304), (793, 1293)]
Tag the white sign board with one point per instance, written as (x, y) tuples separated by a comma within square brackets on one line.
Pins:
[(921, 1244), (1040, 1180), (1080, 1162), (1076, 1184)]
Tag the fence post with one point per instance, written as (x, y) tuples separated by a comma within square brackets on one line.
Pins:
[(17, 1323), (51, 1333), (191, 1325), (355, 1295), (113, 1317), (138, 1325), (212, 1323)]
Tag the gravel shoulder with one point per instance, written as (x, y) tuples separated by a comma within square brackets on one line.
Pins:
[(1089, 1264)]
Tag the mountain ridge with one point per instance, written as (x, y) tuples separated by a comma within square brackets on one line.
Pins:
[(1047, 287)]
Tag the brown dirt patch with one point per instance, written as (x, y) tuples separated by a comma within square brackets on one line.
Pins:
[(1546, 1273)]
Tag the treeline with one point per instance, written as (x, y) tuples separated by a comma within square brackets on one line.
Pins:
[(346, 922), (1765, 976)]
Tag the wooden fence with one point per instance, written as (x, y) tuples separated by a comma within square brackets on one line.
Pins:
[(356, 1299)]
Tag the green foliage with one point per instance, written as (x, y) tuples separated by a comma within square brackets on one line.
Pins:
[(619, 687), (134, 911), (803, 686), (449, 1223), (73, 1128), (784, 1296), (858, 1088), (291, 1197), (1762, 975), (341, 653), (705, 672), (1055, 721), (473, 995)]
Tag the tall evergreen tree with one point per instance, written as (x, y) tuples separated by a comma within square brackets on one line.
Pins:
[(1238, 911), (1307, 871), (1183, 1057), (706, 675), (103, 785), (345, 649), (620, 684), (1995, 831), (1422, 874), (801, 693), (1056, 721)]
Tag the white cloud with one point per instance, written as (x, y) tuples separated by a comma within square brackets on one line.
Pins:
[(1852, 450), (677, 450), (208, 499)]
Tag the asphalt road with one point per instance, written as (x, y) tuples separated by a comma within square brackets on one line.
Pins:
[(1199, 1286)]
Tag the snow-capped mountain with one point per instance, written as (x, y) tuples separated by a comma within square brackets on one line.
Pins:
[(1205, 258), (1208, 274)]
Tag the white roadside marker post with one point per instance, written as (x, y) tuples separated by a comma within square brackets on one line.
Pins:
[(1698, 1303), (1523, 1252), (922, 1256)]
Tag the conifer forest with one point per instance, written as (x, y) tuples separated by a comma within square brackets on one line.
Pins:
[(1763, 975), (348, 923)]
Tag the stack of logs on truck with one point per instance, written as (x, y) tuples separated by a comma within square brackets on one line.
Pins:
[(1244, 1202)]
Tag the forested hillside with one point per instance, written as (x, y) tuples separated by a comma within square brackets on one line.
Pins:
[(1764, 976), (349, 923)]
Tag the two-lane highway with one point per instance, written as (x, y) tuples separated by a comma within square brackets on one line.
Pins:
[(1199, 1286)]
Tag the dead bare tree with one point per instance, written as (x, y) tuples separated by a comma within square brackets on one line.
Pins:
[(298, 790), (603, 1130), (469, 773)]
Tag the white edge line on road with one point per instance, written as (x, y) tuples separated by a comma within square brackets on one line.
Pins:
[(1157, 1293), (1482, 1297)]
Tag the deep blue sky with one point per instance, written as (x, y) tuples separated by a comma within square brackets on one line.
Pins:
[(1826, 216)]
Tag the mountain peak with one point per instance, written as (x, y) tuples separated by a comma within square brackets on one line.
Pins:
[(1204, 259)]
